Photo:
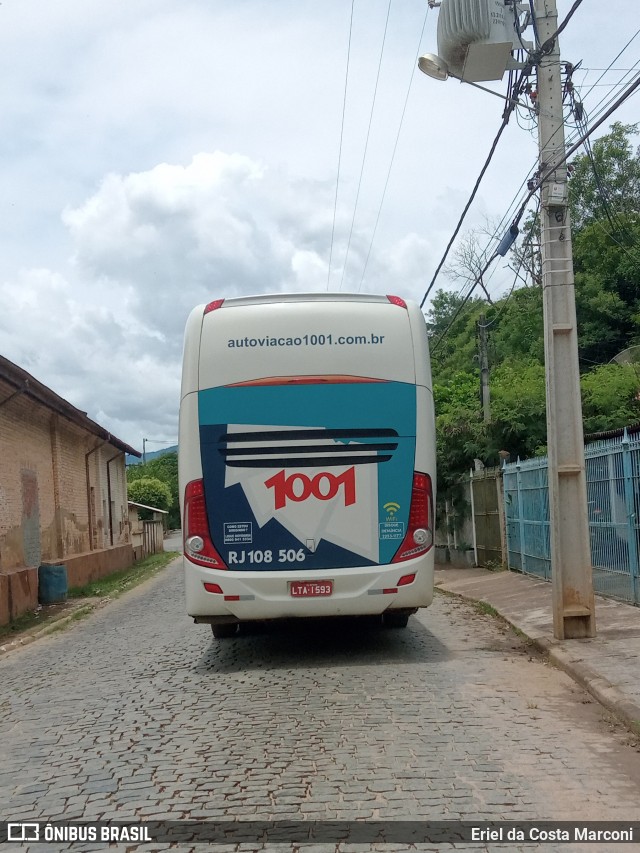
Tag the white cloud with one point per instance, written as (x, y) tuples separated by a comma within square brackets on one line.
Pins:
[(179, 235), (147, 247), (101, 360), (114, 227)]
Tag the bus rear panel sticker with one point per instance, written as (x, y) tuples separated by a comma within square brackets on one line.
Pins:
[(311, 474)]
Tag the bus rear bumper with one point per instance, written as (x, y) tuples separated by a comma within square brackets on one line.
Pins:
[(367, 591)]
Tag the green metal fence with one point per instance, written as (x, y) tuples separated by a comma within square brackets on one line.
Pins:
[(613, 495)]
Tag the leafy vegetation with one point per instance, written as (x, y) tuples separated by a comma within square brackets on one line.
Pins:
[(151, 492), (165, 469), (605, 209)]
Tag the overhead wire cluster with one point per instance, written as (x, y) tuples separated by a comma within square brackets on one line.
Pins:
[(620, 232), (393, 153), (527, 244), (519, 87)]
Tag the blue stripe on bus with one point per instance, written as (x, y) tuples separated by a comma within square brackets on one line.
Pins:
[(388, 404)]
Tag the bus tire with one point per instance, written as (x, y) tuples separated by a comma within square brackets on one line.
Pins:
[(227, 629), (395, 619)]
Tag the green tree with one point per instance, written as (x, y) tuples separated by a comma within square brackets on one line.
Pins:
[(150, 491), (163, 468), (607, 294), (611, 397), (460, 436), (518, 408), (604, 193), (609, 178), (451, 327), (460, 432), (516, 328)]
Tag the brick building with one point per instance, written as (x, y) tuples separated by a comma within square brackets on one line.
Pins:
[(63, 492)]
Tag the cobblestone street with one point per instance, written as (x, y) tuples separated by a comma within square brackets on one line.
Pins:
[(136, 713)]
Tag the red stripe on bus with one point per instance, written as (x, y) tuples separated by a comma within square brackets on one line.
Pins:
[(326, 379)]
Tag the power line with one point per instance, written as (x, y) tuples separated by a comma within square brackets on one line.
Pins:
[(605, 101), (515, 280), (633, 37), (608, 98), (464, 301), (584, 136), (500, 228), (523, 206), (549, 42), (534, 23), (366, 144), (474, 191), (630, 90), (618, 225), (615, 85), (543, 177), (344, 105), (609, 68), (395, 147)]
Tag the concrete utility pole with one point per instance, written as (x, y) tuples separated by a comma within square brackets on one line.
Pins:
[(483, 349), (573, 603)]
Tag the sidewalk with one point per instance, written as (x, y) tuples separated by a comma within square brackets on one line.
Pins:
[(608, 665)]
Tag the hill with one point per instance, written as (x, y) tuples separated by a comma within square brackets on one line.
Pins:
[(133, 460)]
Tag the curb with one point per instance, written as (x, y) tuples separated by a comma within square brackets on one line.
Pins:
[(53, 625), (609, 696)]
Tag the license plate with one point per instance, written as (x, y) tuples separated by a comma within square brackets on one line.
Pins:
[(310, 589)]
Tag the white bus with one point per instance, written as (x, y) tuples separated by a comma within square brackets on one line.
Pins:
[(306, 459)]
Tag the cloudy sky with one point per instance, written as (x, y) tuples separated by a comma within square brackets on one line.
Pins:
[(156, 154)]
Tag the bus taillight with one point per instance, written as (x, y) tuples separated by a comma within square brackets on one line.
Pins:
[(198, 546), (396, 300), (419, 536), (213, 306)]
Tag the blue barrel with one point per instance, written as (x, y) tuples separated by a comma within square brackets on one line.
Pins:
[(52, 584)]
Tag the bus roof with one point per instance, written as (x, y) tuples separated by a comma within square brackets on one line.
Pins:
[(270, 298), (304, 335)]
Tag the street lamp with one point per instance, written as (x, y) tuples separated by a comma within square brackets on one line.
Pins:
[(434, 66)]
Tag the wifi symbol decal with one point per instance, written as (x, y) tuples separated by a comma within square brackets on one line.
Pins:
[(392, 507)]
